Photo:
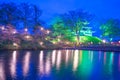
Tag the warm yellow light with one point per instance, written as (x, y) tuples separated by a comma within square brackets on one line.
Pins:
[(67, 42), (15, 44), (58, 40), (27, 36), (46, 39), (54, 42)]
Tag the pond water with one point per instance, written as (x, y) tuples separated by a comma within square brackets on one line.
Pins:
[(59, 65)]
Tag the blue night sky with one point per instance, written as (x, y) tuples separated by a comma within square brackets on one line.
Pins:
[(101, 8)]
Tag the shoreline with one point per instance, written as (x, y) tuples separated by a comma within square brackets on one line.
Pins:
[(92, 48)]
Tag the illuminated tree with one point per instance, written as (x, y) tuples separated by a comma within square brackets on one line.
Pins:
[(76, 20), (111, 28)]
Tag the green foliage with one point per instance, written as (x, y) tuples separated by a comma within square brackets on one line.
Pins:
[(89, 39), (111, 28)]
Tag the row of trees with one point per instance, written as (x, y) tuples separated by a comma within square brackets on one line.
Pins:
[(70, 24), (22, 15), (64, 28)]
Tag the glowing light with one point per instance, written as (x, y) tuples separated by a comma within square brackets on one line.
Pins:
[(26, 29), (58, 40), (46, 39), (13, 63), (119, 42), (41, 28), (26, 63), (3, 28), (27, 37), (67, 56), (15, 44), (41, 65), (2, 72), (53, 57), (47, 66), (58, 60), (41, 43), (54, 42), (104, 41), (91, 42), (67, 42), (75, 61), (14, 32), (48, 31), (111, 63)]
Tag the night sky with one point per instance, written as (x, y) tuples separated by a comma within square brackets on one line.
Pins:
[(100, 8)]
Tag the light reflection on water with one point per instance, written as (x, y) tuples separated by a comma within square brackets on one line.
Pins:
[(26, 63), (13, 63), (2, 71), (75, 60), (41, 65), (52, 65)]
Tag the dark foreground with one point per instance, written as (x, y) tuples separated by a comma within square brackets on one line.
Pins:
[(59, 65)]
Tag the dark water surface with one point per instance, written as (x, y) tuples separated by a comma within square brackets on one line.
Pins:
[(59, 65)]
